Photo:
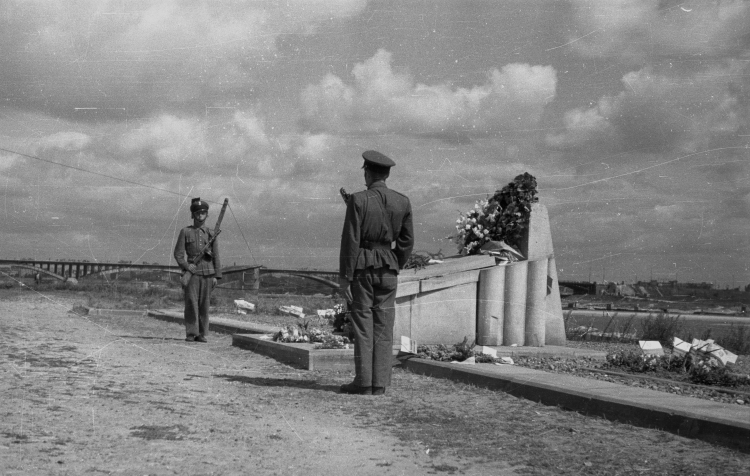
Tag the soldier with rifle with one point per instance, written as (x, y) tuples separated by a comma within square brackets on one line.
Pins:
[(197, 253)]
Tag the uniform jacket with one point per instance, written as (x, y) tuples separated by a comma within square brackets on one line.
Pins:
[(376, 215), (189, 244)]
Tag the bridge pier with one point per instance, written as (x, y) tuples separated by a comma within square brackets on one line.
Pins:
[(254, 283)]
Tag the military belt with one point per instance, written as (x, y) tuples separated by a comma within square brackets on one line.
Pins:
[(370, 245)]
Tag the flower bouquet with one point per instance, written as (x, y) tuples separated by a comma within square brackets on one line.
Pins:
[(504, 218), (304, 334)]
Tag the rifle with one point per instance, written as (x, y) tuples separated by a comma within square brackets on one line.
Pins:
[(345, 195), (185, 279)]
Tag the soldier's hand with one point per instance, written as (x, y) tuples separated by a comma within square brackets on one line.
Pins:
[(346, 289), (192, 268), (214, 282), (344, 194)]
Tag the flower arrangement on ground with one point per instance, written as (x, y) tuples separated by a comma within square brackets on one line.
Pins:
[(302, 333), (504, 217)]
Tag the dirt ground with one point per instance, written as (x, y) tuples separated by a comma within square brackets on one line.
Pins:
[(101, 395)]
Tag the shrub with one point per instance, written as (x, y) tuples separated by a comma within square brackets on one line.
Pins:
[(706, 372), (441, 352), (736, 340), (635, 361), (662, 327)]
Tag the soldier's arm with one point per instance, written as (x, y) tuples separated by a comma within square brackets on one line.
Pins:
[(405, 239), (179, 251), (349, 241)]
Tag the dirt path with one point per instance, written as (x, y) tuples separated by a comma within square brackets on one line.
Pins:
[(99, 395)]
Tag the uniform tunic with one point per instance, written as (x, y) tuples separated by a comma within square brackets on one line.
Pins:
[(190, 242), (376, 242)]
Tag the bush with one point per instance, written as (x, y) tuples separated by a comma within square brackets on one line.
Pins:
[(635, 361), (441, 352), (662, 327), (706, 372), (736, 340)]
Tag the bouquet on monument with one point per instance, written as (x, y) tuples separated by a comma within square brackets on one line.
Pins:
[(497, 224)]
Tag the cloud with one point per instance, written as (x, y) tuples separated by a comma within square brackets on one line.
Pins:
[(127, 59), (69, 141), (169, 143), (8, 161), (381, 101), (658, 109), (239, 144), (636, 30)]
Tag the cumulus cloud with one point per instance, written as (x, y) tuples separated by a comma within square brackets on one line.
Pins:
[(657, 110), (168, 143), (239, 144), (380, 100), (68, 140), (641, 29), (127, 58)]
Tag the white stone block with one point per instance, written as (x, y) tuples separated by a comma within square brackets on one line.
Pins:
[(651, 347)]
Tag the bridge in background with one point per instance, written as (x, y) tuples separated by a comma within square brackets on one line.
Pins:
[(249, 275)]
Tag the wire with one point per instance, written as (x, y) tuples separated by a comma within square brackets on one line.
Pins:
[(81, 169)]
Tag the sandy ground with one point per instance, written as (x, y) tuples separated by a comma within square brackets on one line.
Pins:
[(99, 395)]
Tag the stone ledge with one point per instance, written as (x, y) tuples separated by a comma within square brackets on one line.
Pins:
[(302, 356), (716, 423), (117, 312), (218, 324)]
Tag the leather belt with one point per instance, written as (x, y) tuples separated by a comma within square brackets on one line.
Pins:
[(369, 245)]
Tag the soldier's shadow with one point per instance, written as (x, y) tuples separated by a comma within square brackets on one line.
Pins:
[(278, 382), (152, 338)]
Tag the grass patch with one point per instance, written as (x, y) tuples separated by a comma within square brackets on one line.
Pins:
[(662, 327)]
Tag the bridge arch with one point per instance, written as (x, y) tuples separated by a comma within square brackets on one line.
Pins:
[(107, 272), (42, 271), (318, 279)]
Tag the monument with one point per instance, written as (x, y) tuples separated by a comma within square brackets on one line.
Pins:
[(510, 303)]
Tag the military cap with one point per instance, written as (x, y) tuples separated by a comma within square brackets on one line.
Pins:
[(377, 159), (197, 204)]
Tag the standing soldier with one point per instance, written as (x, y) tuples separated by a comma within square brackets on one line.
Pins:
[(205, 272), (375, 244)]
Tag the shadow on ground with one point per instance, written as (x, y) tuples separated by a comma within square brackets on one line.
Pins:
[(277, 382), (152, 338)]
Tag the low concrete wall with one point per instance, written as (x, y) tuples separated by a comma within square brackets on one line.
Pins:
[(303, 356)]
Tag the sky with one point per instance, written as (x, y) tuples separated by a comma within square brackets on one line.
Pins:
[(633, 115)]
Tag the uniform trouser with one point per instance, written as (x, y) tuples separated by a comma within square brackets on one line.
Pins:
[(197, 297), (373, 314)]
